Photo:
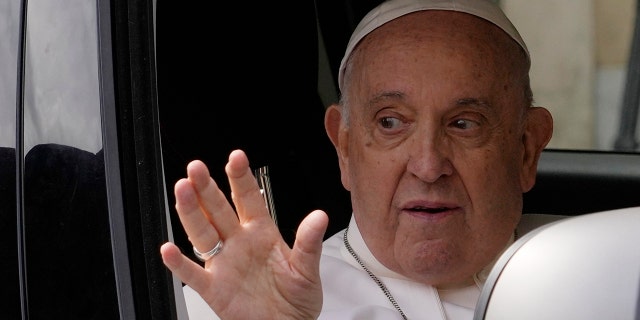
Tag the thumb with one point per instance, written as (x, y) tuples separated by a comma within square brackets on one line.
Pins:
[(307, 247)]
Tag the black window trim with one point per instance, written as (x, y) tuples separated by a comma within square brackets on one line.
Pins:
[(112, 164)]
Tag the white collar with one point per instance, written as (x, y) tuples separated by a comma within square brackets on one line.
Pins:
[(357, 243)]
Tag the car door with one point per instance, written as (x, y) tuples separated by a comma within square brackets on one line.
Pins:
[(83, 195)]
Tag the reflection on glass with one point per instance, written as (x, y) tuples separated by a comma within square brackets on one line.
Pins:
[(62, 96), (9, 33), (67, 240)]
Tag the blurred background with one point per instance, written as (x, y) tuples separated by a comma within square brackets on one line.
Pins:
[(580, 53)]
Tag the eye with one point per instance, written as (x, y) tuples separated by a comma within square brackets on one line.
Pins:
[(465, 124), (389, 122)]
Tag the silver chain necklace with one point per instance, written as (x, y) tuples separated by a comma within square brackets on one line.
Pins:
[(373, 276)]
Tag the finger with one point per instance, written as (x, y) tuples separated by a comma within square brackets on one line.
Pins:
[(212, 200), (307, 247), (245, 191), (202, 234), (184, 268)]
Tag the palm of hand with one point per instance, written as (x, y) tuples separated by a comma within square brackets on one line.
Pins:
[(256, 275)]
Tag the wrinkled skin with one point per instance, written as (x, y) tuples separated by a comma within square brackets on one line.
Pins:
[(439, 146)]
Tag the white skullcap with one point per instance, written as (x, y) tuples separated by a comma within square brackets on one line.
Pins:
[(392, 9)]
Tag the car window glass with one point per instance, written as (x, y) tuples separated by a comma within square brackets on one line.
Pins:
[(9, 29), (69, 265)]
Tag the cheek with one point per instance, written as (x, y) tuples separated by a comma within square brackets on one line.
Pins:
[(368, 176), (496, 200), (497, 193), (492, 177), (374, 176)]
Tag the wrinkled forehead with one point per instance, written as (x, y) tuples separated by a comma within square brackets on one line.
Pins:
[(393, 9)]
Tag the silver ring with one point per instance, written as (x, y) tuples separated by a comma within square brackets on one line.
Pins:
[(204, 256)]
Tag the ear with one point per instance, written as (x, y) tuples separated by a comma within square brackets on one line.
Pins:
[(538, 131), (332, 117), (338, 134)]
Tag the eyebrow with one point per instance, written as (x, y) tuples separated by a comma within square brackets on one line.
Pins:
[(393, 95), (473, 101), (399, 95)]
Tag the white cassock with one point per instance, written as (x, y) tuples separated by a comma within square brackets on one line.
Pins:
[(350, 293)]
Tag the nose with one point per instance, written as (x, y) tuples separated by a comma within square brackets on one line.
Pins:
[(429, 160)]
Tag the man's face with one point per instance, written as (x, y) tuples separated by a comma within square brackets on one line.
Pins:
[(433, 154)]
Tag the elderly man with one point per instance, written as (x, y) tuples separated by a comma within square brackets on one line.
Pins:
[(437, 140)]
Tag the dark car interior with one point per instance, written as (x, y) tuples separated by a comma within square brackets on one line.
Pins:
[(279, 123), (268, 106)]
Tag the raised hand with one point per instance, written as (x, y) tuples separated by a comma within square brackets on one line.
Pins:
[(255, 275)]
